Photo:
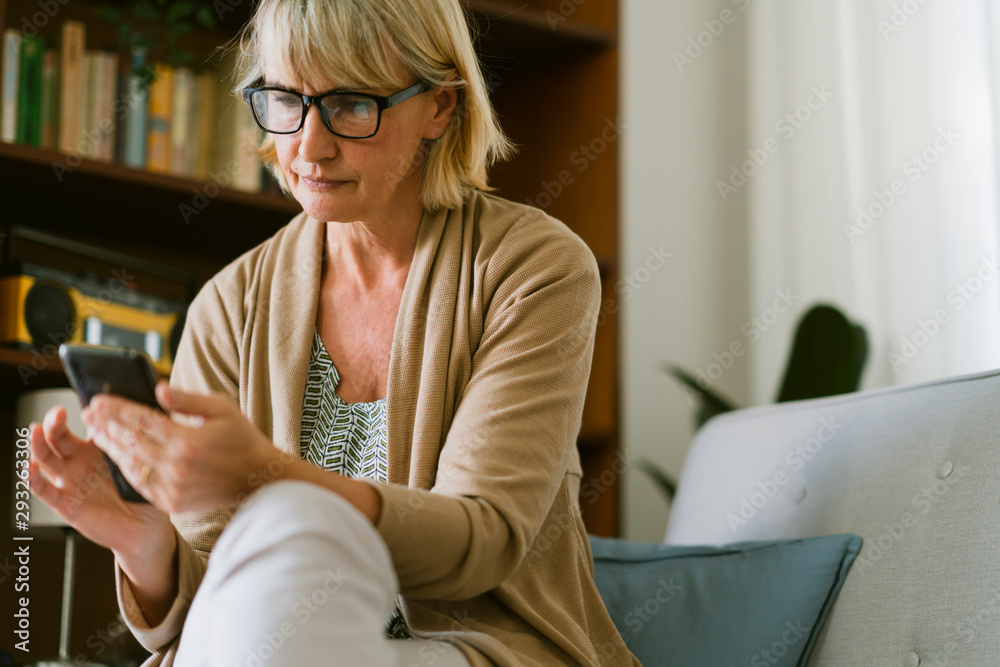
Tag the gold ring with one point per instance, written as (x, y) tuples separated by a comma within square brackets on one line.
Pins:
[(144, 472)]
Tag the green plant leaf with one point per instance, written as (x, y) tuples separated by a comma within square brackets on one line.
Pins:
[(181, 28), (710, 403), (180, 10), (827, 358), (124, 33), (663, 481), (148, 74), (206, 17), (145, 11), (106, 13), (179, 58)]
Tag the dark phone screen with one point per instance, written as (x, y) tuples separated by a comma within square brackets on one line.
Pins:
[(106, 374), (124, 372)]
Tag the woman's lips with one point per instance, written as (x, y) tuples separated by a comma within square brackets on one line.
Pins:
[(320, 183)]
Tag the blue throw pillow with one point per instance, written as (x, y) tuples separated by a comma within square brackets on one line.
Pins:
[(759, 604)]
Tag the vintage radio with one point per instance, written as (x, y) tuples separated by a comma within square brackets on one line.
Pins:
[(41, 306)]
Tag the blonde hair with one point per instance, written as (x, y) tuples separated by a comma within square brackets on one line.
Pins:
[(384, 44)]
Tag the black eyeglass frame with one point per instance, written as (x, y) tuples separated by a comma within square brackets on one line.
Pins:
[(382, 102)]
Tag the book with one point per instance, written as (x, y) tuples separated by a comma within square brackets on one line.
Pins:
[(247, 141), (225, 137), (74, 35), (105, 83), (9, 82), (49, 104), (133, 135), (180, 122), (85, 141), (29, 92), (237, 138), (205, 117), (158, 146)]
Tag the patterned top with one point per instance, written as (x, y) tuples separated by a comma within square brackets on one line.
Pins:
[(346, 438)]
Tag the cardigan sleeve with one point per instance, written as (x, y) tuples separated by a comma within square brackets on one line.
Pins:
[(207, 360), (508, 448)]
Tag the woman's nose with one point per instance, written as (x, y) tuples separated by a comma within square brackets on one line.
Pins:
[(316, 142)]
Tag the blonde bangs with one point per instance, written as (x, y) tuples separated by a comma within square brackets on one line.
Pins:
[(329, 44), (388, 44)]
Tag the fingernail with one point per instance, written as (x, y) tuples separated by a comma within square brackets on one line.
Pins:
[(85, 416)]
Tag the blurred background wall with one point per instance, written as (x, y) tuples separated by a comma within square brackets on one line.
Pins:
[(794, 153)]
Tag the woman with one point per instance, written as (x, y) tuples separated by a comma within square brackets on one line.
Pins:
[(411, 357)]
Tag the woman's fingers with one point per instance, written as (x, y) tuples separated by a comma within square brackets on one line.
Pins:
[(48, 492), (211, 404), (42, 453), (57, 433), (43, 459), (124, 427)]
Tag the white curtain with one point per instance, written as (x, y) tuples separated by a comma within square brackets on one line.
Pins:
[(876, 190)]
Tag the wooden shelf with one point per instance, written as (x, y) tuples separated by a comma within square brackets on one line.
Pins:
[(14, 356), (518, 15), (512, 38), (24, 370), (527, 35), (111, 204), (15, 157)]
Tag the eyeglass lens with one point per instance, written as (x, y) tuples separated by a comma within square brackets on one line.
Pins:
[(347, 115)]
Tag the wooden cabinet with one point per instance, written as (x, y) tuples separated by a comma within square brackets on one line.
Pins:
[(552, 66)]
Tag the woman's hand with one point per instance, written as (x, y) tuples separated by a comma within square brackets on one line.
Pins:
[(82, 492), (217, 457)]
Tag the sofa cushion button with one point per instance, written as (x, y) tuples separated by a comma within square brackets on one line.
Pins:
[(913, 660), (801, 496), (945, 469)]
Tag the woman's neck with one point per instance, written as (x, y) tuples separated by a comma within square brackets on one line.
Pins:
[(372, 256)]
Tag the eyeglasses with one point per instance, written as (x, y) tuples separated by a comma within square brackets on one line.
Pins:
[(346, 114)]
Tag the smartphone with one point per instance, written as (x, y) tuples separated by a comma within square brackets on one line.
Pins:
[(97, 369)]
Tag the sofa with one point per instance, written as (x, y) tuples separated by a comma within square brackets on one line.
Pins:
[(913, 470)]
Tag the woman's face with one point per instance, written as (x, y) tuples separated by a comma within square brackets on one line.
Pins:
[(370, 180)]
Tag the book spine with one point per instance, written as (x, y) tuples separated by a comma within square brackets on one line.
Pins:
[(104, 90), (180, 123), (29, 111), (74, 34), (137, 101), (85, 141), (248, 139), (206, 117), (49, 105), (10, 81), (160, 111), (224, 131)]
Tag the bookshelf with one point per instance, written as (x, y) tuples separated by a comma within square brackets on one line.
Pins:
[(552, 66)]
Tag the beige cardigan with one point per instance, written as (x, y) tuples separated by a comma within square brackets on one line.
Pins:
[(490, 360)]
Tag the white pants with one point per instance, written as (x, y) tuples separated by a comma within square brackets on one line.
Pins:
[(300, 577)]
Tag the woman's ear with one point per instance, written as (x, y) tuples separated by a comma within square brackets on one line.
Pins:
[(445, 103)]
